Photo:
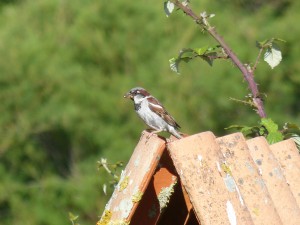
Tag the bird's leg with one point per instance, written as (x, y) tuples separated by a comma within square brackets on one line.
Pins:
[(141, 137), (153, 132), (169, 140)]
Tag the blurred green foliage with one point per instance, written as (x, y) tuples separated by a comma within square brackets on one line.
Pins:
[(65, 66)]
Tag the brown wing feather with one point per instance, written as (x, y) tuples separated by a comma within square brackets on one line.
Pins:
[(156, 107)]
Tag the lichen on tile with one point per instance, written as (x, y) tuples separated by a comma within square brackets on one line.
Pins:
[(226, 169), (137, 196), (105, 219), (165, 195), (123, 183)]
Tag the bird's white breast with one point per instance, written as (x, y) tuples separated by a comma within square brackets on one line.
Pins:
[(148, 116)]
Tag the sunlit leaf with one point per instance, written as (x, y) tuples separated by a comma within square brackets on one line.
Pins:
[(269, 124), (168, 7), (174, 65), (274, 137), (273, 56), (201, 51)]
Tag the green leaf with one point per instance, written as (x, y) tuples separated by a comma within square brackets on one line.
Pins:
[(185, 59), (186, 51), (262, 131), (267, 128), (246, 130), (269, 125), (268, 43), (174, 63), (274, 137), (201, 51), (273, 56), (168, 7), (208, 54), (209, 58)]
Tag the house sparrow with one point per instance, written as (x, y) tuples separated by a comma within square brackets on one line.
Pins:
[(151, 111)]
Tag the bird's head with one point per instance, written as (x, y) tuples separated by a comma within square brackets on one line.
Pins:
[(137, 93)]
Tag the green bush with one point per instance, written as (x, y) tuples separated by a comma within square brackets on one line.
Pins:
[(65, 66)]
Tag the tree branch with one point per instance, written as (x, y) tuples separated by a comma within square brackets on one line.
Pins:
[(247, 73)]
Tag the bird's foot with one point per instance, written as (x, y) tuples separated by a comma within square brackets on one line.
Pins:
[(169, 140), (142, 135), (150, 135)]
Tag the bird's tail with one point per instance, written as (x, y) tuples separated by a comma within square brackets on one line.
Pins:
[(176, 133)]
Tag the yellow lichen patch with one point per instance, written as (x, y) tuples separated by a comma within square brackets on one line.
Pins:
[(165, 195), (105, 219), (137, 196), (256, 211), (226, 169), (119, 222), (123, 183)]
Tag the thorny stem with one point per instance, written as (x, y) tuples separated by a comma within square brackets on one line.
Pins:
[(247, 73)]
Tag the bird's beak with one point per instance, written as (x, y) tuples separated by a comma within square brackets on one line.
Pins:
[(128, 95)]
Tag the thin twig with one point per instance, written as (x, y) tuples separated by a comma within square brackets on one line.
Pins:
[(104, 163), (257, 59), (242, 101)]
